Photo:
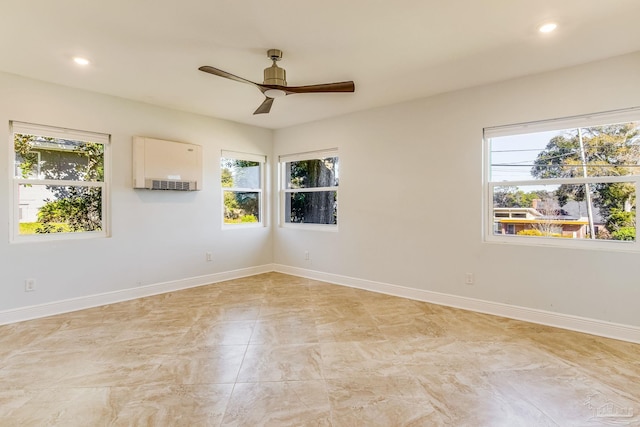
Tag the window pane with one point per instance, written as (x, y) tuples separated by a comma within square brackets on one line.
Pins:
[(241, 207), (610, 150), (312, 173), (59, 209), (318, 207), (39, 157), (566, 211), (240, 173)]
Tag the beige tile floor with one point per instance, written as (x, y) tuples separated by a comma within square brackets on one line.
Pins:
[(278, 350)]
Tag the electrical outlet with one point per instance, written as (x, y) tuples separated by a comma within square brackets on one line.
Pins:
[(306, 256), (468, 278), (209, 256), (30, 285)]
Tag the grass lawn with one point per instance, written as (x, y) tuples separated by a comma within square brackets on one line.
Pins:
[(31, 227)]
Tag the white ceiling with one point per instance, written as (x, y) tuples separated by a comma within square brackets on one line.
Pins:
[(150, 50)]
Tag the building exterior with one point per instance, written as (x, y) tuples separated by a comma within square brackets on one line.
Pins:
[(568, 222)]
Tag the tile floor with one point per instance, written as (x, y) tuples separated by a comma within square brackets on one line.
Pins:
[(278, 350)]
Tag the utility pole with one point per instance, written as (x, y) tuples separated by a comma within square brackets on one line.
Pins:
[(587, 190)]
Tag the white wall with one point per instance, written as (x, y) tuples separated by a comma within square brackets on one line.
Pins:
[(157, 236), (410, 198)]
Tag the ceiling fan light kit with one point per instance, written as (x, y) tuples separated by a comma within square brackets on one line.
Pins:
[(275, 83), (274, 93)]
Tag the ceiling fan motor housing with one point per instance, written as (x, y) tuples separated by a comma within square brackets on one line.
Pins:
[(275, 75)]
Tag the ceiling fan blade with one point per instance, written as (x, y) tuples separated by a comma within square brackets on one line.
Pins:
[(265, 107), (220, 73), (321, 88)]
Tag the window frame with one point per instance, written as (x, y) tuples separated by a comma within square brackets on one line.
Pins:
[(15, 182), (556, 124), (259, 158), (284, 191)]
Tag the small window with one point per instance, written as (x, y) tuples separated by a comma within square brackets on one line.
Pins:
[(309, 188), (565, 178), (242, 177), (59, 183)]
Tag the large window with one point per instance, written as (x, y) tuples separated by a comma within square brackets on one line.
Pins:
[(59, 184), (242, 177), (309, 188), (565, 182)]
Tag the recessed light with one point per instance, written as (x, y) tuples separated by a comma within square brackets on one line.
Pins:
[(81, 61), (548, 27)]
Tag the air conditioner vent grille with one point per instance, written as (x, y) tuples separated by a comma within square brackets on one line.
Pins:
[(161, 184)]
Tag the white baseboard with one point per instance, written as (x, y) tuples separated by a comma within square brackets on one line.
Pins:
[(559, 320), (81, 303)]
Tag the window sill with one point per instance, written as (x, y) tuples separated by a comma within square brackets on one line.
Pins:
[(311, 227), (566, 243), (242, 226), (57, 237)]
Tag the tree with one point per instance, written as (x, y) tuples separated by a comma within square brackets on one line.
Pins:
[(612, 150), (314, 207), (79, 207), (550, 211), (28, 159), (609, 150), (512, 197), (621, 225)]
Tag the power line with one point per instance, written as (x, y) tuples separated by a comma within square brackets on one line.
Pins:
[(588, 145), (564, 165), (513, 151)]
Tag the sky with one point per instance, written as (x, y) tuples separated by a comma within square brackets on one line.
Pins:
[(518, 152)]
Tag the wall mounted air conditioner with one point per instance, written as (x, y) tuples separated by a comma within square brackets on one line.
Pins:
[(166, 165)]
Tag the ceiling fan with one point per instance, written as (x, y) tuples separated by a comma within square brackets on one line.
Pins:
[(275, 83)]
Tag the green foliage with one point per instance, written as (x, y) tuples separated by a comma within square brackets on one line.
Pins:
[(22, 145), (511, 197), (238, 204), (38, 227), (230, 202), (538, 233), (244, 219), (609, 150), (620, 218), (530, 232), (94, 154), (621, 224), (615, 196), (624, 233), (50, 228), (226, 178), (248, 218), (80, 209), (52, 212)]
